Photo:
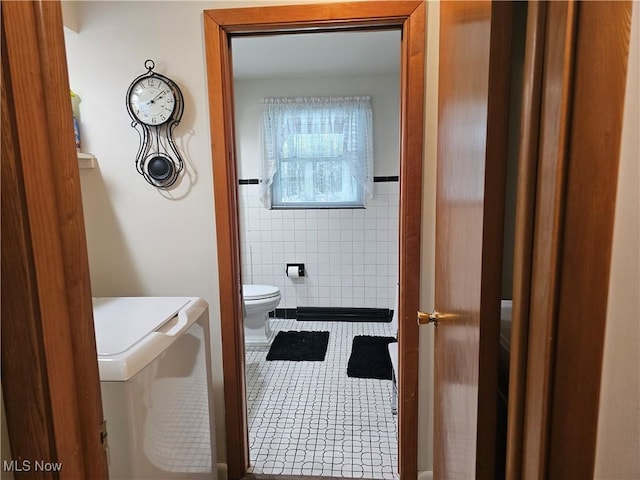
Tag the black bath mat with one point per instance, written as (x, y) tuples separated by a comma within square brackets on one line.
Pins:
[(299, 346), (370, 358)]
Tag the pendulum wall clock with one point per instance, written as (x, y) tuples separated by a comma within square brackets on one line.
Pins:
[(155, 104)]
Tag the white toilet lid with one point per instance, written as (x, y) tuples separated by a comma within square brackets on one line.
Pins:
[(259, 292)]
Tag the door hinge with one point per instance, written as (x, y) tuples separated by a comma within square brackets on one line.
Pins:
[(104, 441), (103, 434)]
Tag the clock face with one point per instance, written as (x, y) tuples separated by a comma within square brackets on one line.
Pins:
[(152, 101)]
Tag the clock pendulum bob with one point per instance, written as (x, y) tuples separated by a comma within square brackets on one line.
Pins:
[(160, 169)]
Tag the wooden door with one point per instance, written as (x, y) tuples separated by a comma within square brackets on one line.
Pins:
[(475, 58), (50, 376)]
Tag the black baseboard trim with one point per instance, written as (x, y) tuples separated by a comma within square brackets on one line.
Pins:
[(333, 314), (344, 314), (286, 313)]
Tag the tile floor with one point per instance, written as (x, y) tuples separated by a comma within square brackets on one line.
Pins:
[(309, 418)]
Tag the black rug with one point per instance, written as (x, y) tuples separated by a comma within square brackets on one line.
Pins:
[(370, 358), (299, 346)]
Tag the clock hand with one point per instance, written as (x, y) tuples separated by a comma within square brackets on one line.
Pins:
[(154, 98)]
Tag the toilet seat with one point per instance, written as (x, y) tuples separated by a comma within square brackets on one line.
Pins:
[(259, 292)]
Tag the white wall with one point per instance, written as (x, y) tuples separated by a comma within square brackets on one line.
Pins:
[(618, 441), (141, 242), (350, 256)]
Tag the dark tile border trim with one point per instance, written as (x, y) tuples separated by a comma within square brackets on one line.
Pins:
[(255, 181), (393, 178), (248, 181)]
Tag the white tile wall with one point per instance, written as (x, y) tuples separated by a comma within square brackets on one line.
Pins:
[(350, 255)]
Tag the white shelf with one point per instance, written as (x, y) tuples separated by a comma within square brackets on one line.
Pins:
[(86, 160)]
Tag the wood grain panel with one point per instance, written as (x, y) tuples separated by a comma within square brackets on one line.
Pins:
[(580, 125), (27, 409), (472, 140), (412, 147), (66, 177), (455, 374), (36, 165), (225, 181), (219, 26), (592, 156), (525, 208), (58, 299), (556, 91), (493, 234), (341, 15)]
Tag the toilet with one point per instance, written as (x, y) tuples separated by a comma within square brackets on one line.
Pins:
[(258, 301)]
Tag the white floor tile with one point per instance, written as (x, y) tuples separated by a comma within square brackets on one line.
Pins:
[(309, 418)]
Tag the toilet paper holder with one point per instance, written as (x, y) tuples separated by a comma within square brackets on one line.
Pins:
[(299, 266)]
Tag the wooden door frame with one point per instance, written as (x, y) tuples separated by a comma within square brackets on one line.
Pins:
[(575, 79), (220, 26), (50, 379)]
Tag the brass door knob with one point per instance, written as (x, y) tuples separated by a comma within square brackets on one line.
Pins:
[(425, 318)]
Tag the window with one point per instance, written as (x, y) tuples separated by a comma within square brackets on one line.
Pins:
[(316, 152)]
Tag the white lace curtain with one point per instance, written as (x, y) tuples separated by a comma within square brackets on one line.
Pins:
[(339, 127)]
